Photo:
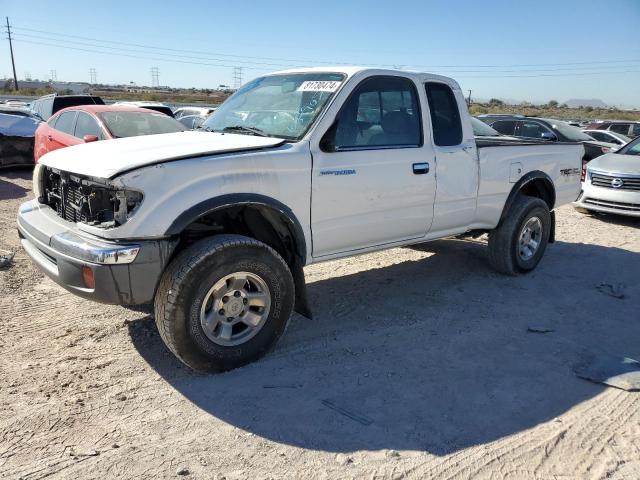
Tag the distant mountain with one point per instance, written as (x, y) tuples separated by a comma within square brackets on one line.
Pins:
[(586, 102)]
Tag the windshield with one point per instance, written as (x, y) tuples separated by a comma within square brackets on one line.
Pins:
[(632, 148), (481, 129), (133, 124), (573, 134), (282, 106)]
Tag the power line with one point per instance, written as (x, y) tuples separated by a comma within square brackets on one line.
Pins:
[(236, 56), (608, 72), (13, 63), (117, 54)]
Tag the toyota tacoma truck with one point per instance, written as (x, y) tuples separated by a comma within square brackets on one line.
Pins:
[(297, 167)]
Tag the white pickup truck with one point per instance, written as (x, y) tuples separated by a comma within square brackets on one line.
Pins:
[(297, 167)]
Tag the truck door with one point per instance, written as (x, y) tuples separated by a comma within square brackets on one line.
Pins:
[(455, 157), (372, 179)]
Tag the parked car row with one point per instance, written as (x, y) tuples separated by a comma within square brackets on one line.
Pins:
[(549, 130), (90, 123), (28, 131), (629, 129)]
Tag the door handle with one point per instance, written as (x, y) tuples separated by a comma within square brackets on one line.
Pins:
[(420, 168), (468, 148)]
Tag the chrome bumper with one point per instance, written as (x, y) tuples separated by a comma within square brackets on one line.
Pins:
[(125, 273)]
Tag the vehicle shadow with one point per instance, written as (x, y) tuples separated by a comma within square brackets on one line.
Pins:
[(430, 354), (622, 220), (9, 190)]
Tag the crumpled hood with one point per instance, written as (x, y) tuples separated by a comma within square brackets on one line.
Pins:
[(616, 163), (108, 158)]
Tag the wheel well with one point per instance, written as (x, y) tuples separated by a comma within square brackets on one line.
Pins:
[(263, 223), (541, 188)]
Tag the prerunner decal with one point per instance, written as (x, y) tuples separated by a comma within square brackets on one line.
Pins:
[(318, 86)]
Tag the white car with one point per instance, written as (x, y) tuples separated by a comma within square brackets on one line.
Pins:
[(611, 183), (215, 226), (180, 112), (609, 136)]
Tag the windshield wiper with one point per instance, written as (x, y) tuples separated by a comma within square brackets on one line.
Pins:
[(249, 130)]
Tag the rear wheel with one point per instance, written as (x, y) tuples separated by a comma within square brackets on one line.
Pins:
[(518, 243), (224, 302)]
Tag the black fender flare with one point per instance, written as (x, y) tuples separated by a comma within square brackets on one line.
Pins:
[(524, 180), (520, 184), (253, 199)]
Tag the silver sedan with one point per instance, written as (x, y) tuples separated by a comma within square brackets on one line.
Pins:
[(611, 183)]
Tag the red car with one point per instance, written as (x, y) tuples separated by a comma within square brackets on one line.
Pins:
[(89, 123)]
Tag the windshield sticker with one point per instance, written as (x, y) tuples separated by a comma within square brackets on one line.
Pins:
[(318, 86)]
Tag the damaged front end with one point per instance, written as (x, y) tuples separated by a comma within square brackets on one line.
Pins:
[(91, 201)]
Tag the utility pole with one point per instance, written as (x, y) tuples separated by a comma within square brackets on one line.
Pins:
[(93, 75), (13, 62), (53, 75), (155, 77), (237, 77), (469, 99)]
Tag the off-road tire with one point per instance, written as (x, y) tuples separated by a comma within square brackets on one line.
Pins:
[(503, 241), (184, 285)]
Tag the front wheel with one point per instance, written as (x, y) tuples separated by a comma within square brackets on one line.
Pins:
[(224, 302), (518, 243)]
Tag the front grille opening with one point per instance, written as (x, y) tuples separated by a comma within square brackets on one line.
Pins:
[(621, 182)]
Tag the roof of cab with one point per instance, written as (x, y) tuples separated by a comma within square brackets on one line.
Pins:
[(351, 71)]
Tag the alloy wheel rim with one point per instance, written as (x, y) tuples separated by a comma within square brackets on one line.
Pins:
[(530, 238), (235, 309)]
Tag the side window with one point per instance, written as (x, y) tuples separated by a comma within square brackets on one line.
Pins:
[(86, 125), (602, 137), (381, 112), (64, 123), (532, 129), (636, 130), (620, 128), (445, 116), (505, 127)]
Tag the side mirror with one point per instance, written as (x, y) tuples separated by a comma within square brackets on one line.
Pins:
[(89, 138), (548, 136)]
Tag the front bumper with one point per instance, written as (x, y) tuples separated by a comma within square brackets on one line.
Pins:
[(125, 273), (609, 200)]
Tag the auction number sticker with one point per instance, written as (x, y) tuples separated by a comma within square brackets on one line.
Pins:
[(318, 86)]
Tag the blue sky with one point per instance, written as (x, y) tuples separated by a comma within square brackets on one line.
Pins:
[(535, 50)]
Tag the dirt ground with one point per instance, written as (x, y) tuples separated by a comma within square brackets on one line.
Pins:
[(418, 364)]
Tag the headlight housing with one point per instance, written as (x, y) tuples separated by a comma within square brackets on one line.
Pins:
[(87, 200), (37, 183)]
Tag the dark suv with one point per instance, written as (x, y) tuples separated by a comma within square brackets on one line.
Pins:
[(50, 104), (630, 129), (546, 129)]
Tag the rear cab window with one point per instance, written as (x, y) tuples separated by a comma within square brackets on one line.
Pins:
[(445, 115)]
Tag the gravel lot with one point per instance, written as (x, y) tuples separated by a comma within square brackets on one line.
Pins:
[(418, 364)]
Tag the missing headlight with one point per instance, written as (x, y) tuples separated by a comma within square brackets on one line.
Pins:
[(80, 199)]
